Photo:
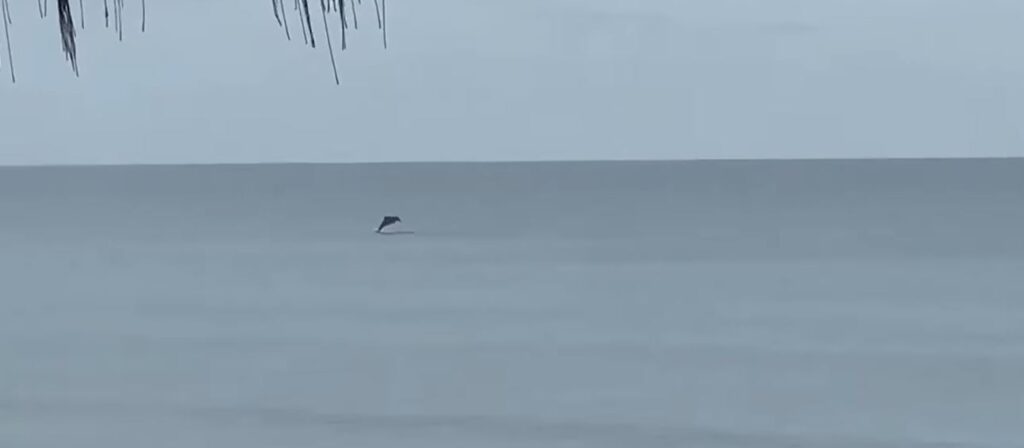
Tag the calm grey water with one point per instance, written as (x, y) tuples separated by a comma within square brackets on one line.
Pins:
[(712, 304)]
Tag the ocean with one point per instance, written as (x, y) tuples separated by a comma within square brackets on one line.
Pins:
[(709, 304)]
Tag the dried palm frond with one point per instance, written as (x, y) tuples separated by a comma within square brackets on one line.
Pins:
[(67, 32), (7, 35), (114, 14)]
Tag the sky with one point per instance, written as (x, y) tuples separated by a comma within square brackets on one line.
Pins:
[(216, 81)]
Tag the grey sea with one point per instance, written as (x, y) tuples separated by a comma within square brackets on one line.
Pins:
[(620, 304)]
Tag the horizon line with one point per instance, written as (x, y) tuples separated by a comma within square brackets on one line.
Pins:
[(505, 161)]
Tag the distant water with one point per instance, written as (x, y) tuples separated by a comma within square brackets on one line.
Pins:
[(706, 304)]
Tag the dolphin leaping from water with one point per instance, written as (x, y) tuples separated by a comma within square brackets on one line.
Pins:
[(388, 220)]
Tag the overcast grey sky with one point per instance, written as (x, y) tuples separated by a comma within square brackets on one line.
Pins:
[(216, 81)]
